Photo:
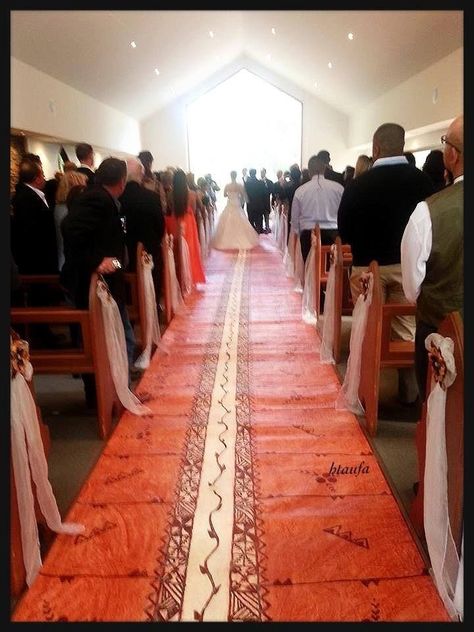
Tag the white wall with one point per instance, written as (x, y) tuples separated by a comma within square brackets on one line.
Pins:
[(46, 106), (165, 132), (411, 105)]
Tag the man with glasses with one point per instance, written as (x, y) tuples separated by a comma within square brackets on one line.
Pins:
[(432, 251)]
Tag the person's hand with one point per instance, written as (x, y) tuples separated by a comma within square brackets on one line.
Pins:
[(108, 265)]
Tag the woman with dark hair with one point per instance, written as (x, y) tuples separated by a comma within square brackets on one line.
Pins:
[(182, 215), (434, 168), (149, 179)]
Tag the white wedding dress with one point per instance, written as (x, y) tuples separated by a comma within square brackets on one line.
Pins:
[(233, 230)]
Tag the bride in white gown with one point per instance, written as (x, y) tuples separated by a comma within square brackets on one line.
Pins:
[(233, 230)]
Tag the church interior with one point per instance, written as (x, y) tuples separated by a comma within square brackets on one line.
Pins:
[(255, 459)]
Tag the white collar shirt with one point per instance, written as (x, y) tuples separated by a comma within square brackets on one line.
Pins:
[(390, 160), (316, 203), (39, 193), (415, 249)]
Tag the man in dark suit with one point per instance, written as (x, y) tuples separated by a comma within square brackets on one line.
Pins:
[(374, 210), (94, 241), (85, 155), (33, 230), (256, 191), (268, 198), (144, 220), (330, 174)]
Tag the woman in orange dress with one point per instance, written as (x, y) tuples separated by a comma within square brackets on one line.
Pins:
[(182, 213)]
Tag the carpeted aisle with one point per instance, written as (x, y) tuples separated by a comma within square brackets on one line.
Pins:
[(246, 495)]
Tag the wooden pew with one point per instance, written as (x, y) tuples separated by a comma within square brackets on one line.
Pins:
[(379, 351), (90, 358), (451, 327), (338, 296)]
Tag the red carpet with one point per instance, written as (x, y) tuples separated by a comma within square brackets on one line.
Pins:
[(246, 495)]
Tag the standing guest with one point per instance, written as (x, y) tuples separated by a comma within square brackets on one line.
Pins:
[(149, 179), (305, 177), (182, 214), (348, 175), (432, 250), (267, 198), (145, 221), (293, 182), (316, 204), (330, 174), (94, 241), (363, 164), (69, 180), (244, 175), (69, 166), (85, 155), (434, 168), (373, 213)]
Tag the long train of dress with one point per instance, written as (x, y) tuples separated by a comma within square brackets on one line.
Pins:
[(233, 230)]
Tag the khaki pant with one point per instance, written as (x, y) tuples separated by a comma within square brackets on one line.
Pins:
[(403, 327)]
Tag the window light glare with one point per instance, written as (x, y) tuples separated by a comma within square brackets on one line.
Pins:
[(133, 45), (350, 36), (269, 56)]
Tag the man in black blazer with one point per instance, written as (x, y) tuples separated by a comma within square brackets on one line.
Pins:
[(267, 199), (330, 174), (374, 210), (144, 220), (33, 230), (94, 241), (256, 192), (85, 155)]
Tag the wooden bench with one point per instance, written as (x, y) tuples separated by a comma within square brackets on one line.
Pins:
[(378, 350), (451, 327), (90, 358), (338, 295), (322, 263)]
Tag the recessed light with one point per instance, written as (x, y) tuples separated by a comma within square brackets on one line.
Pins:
[(350, 36), (273, 30), (329, 65), (269, 56), (211, 34), (315, 84), (157, 72), (133, 45)]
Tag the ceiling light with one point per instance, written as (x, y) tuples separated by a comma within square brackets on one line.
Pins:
[(273, 30), (211, 34), (133, 45), (269, 56), (157, 72), (329, 65), (315, 84), (350, 36)]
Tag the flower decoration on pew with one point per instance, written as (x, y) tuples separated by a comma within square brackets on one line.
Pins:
[(364, 284), (438, 365), (19, 354)]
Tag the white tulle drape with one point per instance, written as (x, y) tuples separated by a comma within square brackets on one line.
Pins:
[(299, 267), (117, 351), (151, 313), (185, 261), (327, 337), (308, 308), (289, 256), (29, 461), (208, 229), (445, 562), (177, 302), (283, 237), (348, 398), (276, 223), (202, 238)]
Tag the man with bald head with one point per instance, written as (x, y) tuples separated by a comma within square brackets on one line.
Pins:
[(432, 251), (374, 210), (144, 219)]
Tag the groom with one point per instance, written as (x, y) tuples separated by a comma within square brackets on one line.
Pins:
[(256, 192)]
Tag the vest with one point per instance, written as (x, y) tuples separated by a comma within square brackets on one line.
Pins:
[(442, 290)]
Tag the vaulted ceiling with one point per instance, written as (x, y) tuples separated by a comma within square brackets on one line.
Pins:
[(92, 51)]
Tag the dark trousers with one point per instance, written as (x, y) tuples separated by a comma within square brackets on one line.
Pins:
[(328, 236), (421, 355), (255, 218)]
